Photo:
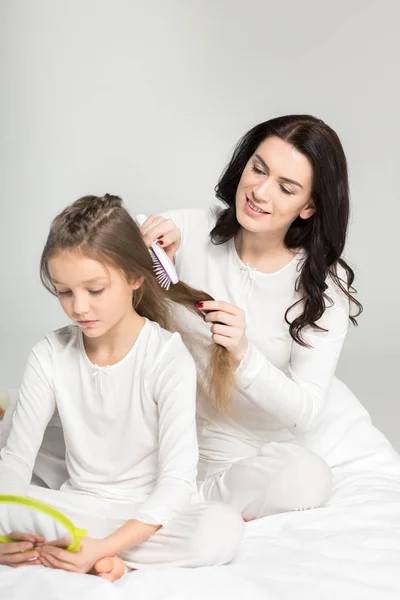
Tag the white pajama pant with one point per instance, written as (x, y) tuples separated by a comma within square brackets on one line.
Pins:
[(283, 477), (203, 534)]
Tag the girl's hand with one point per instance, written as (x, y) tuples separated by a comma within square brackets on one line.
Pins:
[(22, 551), (91, 550), (228, 326), (163, 230)]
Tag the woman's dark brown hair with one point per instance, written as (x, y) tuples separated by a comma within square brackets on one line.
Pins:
[(323, 236)]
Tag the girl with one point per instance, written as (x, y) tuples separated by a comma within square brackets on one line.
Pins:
[(272, 256), (124, 389)]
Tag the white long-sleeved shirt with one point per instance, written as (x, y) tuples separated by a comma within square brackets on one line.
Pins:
[(129, 428), (281, 385)]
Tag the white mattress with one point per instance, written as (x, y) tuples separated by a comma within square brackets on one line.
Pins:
[(348, 550)]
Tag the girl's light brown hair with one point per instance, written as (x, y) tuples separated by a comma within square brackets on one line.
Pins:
[(102, 229)]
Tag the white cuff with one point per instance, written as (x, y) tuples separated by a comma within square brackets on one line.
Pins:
[(250, 367), (154, 515)]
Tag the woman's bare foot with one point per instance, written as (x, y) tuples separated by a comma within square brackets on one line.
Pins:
[(110, 568)]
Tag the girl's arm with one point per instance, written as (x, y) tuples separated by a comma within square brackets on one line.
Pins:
[(35, 407), (173, 386)]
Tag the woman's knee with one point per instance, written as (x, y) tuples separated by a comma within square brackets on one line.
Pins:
[(314, 480), (303, 482), (286, 478)]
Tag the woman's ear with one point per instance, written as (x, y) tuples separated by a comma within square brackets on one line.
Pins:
[(308, 211)]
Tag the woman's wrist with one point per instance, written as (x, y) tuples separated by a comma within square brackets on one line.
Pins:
[(240, 353)]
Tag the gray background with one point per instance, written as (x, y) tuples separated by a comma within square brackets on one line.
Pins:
[(147, 99)]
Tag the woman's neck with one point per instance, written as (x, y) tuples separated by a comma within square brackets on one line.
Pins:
[(114, 345), (265, 252)]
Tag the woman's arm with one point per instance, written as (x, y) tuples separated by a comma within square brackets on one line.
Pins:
[(35, 407), (297, 397)]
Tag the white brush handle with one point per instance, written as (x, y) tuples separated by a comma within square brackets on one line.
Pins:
[(161, 254)]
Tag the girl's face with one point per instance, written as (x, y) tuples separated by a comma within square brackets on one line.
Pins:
[(95, 297), (275, 188)]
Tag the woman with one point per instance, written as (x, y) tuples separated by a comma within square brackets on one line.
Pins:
[(272, 258)]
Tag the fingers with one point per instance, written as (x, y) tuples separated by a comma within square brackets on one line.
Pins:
[(226, 336), (18, 558), (30, 563), (50, 562), (61, 557), (162, 231), (222, 340), (151, 222), (227, 327), (60, 543), (57, 552), (25, 537), (221, 317), (15, 547), (55, 559), (160, 227), (169, 238), (226, 331), (213, 305)]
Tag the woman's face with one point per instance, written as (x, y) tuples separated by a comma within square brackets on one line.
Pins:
[(275, 188)]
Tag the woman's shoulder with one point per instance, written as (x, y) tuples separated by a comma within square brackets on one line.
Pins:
[(336, 301), (336, 279), (195, 221)]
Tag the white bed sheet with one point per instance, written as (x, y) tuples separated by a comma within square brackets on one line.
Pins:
[(327, 554), (348, 550)]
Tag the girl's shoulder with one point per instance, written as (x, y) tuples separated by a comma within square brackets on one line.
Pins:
[(55, 342), (164, 347), (161, 339)]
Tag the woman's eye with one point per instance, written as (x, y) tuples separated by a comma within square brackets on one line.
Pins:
[(286, 191), (257, 170), (67, 293), (94, 292)]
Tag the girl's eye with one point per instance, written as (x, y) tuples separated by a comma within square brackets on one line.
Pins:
[(68, 293), (257, 170), (286, 191)]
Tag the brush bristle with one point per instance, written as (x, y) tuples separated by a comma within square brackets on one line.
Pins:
[(161, 274)]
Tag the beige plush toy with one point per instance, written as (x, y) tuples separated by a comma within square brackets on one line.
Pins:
[(4, 400)]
